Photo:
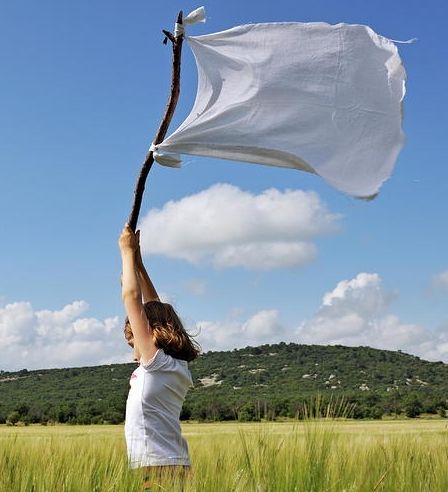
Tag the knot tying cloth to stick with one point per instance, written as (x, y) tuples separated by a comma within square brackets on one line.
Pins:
[(169, 159)]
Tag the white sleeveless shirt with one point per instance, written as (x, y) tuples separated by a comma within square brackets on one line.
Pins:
[(152, 428)]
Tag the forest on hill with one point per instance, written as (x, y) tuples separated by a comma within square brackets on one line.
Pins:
[(266, 382)]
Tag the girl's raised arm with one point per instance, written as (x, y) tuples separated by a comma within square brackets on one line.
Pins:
[(132, 295), (148, 290)]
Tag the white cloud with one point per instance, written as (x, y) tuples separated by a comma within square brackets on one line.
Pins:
[(262, 327), (63, 338), (356, 313), (266, 256), (228, 227), (440, 280)]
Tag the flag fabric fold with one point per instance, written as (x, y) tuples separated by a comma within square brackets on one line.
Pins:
[(320, 98)]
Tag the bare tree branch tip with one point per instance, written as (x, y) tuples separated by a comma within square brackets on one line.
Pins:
[(168, 35)]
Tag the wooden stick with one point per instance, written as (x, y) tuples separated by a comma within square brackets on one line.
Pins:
[(163, 128)]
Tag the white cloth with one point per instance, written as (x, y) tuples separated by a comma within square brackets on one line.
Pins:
[(197, 15), (193, 17), (152, 427), (320, 98)]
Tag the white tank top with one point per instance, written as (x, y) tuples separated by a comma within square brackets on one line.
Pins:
[(152, 428)]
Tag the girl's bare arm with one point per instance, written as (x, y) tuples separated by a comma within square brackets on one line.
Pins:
[(149, 292), (132, 295)]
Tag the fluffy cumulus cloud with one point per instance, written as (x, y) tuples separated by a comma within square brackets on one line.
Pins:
[(228, 227), (356, 312), (262, 327), (63, 338)]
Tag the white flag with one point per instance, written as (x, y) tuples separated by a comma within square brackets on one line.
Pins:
[(320, 98)]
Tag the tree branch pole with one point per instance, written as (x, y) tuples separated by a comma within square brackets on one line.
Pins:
[(163, 128)]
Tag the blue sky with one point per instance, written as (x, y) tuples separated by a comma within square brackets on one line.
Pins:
[(82, 90)]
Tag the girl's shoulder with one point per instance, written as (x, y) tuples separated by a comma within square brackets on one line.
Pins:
[(162, 360), (163, 363)]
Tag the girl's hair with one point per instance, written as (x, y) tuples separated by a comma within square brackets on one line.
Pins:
[(168, 331)]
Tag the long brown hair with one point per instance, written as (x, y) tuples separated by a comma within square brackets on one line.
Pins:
[(168, 331)]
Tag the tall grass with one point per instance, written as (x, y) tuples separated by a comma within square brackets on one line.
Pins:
[(316, 454)]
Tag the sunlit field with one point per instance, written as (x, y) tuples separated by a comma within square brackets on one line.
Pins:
[(312, 455)]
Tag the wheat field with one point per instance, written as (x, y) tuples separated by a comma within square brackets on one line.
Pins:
[(311, 455)]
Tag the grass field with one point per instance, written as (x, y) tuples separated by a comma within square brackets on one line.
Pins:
[(313, 455)]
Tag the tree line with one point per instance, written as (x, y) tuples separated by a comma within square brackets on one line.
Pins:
[(371, 407), (269, 382)]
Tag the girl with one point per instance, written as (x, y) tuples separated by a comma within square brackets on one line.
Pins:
[(158, 386)]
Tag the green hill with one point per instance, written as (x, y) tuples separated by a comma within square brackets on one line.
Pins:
[(270, 381)]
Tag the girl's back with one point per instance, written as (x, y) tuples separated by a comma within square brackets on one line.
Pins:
[(152, 426)]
